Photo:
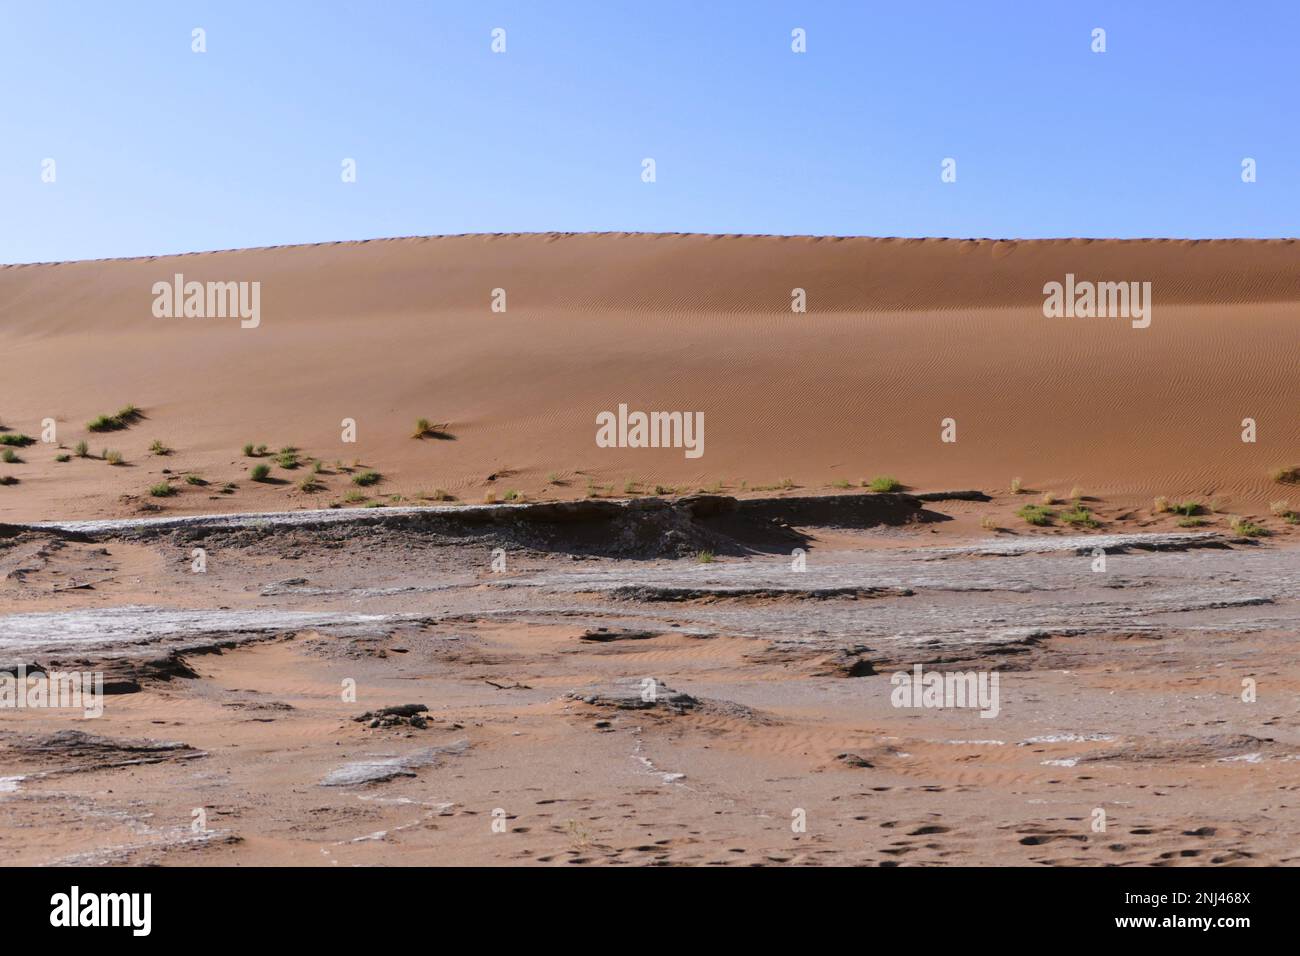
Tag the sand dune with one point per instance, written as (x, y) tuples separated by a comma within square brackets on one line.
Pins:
[(898, 335)]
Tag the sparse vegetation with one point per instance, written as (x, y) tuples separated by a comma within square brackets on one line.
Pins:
[(1287, 476), (16, 440), (162, 490), (553, 478), (1161, 505), (125, 418), (1036, 514), (10, 457), (1279, 508), (195, 480), (426, 429), (1190, 522), (366, 478), (82, 450), (260, 472), (113, 457), (490, 498), (287, 458), (248, 450), (1016, 486), (63, 457), (989, 523), (1247, 528), (629, 487), (354, 496), (842, 484), (158, 448), (513, 495), (1046, 499), (1076, 493), (705, 557), (884, 483), (1080, 517), (229, 488), (1187, 508), (311, 484)]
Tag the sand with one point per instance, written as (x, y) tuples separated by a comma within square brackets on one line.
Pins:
[(769, 614), (898, 336)]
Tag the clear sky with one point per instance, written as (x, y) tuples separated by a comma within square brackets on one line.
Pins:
[(159, 149)]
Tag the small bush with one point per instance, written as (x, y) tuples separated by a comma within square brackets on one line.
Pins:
[(1160, 505), (229, 488), (705, 557), (1187, 508), (10, 457), (1247, 528), (1080, 517), (490, 498), (842, 484), (82, 450), (163, 490), (64, 457), (1016, 486), (884, 483), (260, 472), (1190, 522), (989, 523), (310, 484), (366, 478), (352, 497), (1279, 508), (158, 448), (16, 440), (513, 495), (248, 451), (125, 418), (113, 457), (553, 478), (1036, 514), (287, 458), (194, 480)]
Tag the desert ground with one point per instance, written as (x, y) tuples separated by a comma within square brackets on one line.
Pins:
[(628, 656)]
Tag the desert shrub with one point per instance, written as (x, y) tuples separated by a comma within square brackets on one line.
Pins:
[(162, 490), (260, 472), (1036, 514), (366, 478), (884, 483)]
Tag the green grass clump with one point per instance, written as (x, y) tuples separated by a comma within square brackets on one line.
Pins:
[(705, 557), (113, 457), (884, 483), (82, 450), (842, 484), (287, 458), (158, 448), (1190, 522), (10, 457), (229, 488), (260, 472), (1187, 508), (125, 418), (352, 497), (1247, 528), (1036, 514), (426, 429), (63, 457), (513, 495), (1080, 517), (248, 450), (163, 490), (194, 480), (366, 478), (16, 440), (311, 484)]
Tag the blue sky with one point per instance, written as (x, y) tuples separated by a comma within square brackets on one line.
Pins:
[(159, 149)]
